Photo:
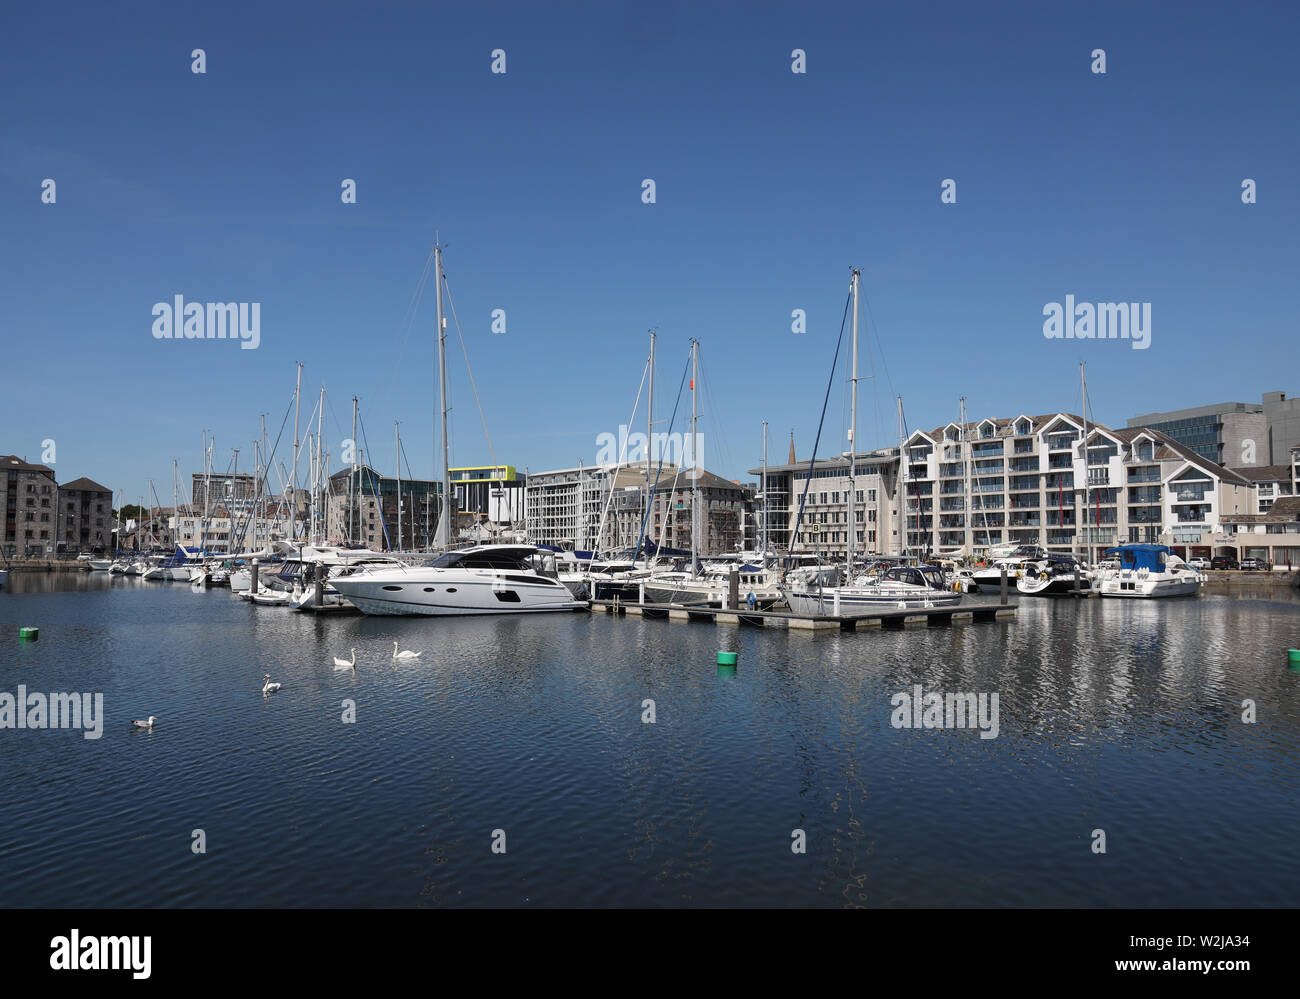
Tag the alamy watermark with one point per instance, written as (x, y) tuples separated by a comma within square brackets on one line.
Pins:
[(181, 320), (83, 711), (949, 711), (631, 448), (93, 953), (1102, 321)]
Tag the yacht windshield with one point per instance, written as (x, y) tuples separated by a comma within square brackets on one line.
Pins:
[(500, 558)]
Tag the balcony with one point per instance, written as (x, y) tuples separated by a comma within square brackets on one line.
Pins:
[(1144, 474), (1060, 461)]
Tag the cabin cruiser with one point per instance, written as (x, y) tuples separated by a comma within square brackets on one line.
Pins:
[(100, 564), (757, 588), (1148, 571), (484, 579), (900, 586), (1055, 575), (1017, 561), (295, 568)]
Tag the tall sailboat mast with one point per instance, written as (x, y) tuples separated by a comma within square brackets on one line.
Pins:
[(293, 497), (649, 439), (853, 429), (763, 547), (397, 454), (902, 486), (695, 458), (1087, 531), (354, 499), (318, 501), (444, 522)]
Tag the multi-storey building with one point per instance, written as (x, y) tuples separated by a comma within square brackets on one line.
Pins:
[(1273, 536), (823, 496), (28, 507), (1235, 434), (1034, 480), (234, 491), (85, 516), (590, 508), (364, 507), (494, 493), (1271, 482)]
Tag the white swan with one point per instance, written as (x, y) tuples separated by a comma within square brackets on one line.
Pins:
[(144, 724), (406, 655), (344, 664), (267, 686)]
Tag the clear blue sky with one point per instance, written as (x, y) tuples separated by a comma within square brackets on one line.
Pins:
[(770, 185)]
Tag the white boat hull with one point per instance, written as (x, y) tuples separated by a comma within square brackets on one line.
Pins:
[(430, 593), (1142, 585), (855, 601)]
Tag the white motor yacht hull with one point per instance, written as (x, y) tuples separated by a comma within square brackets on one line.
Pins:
[(446, 593), (1142, 585), (854, 601)]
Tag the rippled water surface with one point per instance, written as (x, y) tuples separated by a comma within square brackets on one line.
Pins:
[(1114, 715)]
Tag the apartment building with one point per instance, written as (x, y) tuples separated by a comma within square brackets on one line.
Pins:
[(364, 508), (28, 507), (494, 493), (1041, 480), (823, 495), (1273, 536), (600, 508), (1271, 483), (85, 516)]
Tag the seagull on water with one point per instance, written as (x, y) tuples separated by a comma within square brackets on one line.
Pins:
[(147, 725)]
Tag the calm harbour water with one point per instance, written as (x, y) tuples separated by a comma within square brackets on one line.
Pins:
[(1123, 716)]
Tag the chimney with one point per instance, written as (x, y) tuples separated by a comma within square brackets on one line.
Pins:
[(792, 457)]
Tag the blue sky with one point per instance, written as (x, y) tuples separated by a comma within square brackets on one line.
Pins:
[(770, 185)]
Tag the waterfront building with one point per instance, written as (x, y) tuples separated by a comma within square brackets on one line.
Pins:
[(222, 533), (28, 508), (1273, 536), (85, 516), (1034, 480), (1235, 434), (824, 526), (1283, 418), (236, 491), (493, 493), (604, 508), (1271, 482), (363, 508)]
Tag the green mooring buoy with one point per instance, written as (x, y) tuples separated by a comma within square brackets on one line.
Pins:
[(726, 659), (28, 634), (1293, 655)]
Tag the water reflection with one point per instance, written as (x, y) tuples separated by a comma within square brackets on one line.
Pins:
[(1113, 714)]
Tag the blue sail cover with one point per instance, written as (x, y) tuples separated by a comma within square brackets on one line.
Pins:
[(1149, 557)]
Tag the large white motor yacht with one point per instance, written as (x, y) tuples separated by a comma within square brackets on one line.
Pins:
[(485, 579)]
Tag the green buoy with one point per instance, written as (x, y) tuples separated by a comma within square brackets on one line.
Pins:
[(28, 634), (726, 659), (1293, 655)]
